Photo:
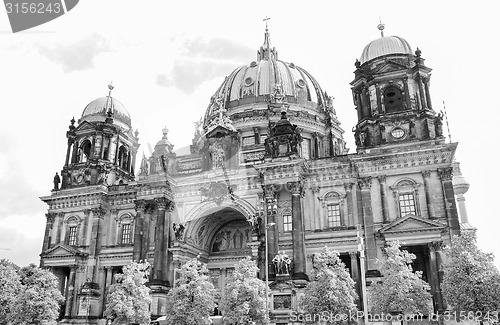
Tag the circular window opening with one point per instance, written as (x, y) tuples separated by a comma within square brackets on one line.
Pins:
[(253, 64), (391, 94), (248, 81), (397, 133), (301, 83)]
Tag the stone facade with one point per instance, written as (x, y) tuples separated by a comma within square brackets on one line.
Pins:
[(269, 156)]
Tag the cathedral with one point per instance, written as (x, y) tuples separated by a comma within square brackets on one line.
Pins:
[(269, 176)]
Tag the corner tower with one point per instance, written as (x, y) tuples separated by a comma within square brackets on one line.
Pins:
[(102, 148), (391, 91)]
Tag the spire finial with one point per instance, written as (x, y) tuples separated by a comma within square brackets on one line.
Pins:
[(265, 20), (381, 27), (109, 100), (111, 87), (165, 132)]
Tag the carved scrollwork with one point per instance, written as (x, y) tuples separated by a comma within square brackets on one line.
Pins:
[(140, 205), (161, 203), (445, 174), (365, 183)]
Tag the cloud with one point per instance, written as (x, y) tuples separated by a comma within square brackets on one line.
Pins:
[(77, 56), (18, 247), (188, 75), (218, 48)]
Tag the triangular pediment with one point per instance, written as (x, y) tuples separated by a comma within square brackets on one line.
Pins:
[(84, 126), (390, 66), (411, 223), (63, 250)]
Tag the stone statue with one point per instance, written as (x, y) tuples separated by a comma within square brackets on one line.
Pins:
[(282, 263), (178, 230), (57, 180), (438, 123)]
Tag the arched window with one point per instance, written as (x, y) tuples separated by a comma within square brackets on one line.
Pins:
[(125, 229), (405, 192), (393, 99), (335, 210), (123, 157), (72, 229), (84, 151)]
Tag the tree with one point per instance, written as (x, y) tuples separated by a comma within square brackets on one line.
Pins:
[(10, 286), (191, 301), (39, 299), (129, 298), (245, 296), (329, 297), (471, 282), (400, 290)]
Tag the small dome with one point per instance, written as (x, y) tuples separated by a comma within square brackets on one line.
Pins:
[(385, 46), (96, 111)]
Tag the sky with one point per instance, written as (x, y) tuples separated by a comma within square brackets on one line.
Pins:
[(167, 58)]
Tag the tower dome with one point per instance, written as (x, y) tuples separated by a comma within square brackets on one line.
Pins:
[(98, 109), (385, 45), (254, 95)]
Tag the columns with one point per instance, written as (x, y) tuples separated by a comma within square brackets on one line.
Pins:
[(60, 218), (428, 197), (92, 148), (365, 102), (271, 199), (367, 215), (166, 238), (314, 207), (359, 105), (446, 176), (407, 93), (161, 241), (70, 291), (383, 198), (350, 215), (461, 207), (101, 280), (95, 242), (101, 154), (117, 146), (379, 99), (427, 93), (146, 230), (70, 142), (434, 277), (140, 205), (48, 228), (355, 276), (74, 155), (421, 92), (298, 242), (86, 217)]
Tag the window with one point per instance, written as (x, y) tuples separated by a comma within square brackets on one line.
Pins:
[(287, 222), (333, 215), (306, 145), (407, 204), (126, 228), (263, 138), (84, 152), (248, 141), (72, 235), (393, 99)]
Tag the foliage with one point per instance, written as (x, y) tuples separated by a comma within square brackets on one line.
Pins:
[(190, 302), (29, 295), (10, 286), (471, 282), (129, 298), (245, 296), (331, 294), (401, 289)]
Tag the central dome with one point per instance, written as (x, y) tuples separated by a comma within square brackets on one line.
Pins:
[(97, 111), (261, 81)]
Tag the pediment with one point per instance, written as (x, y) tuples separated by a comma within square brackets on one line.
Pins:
[(411, 223), (63, 250), (84, 126), (390, 66)]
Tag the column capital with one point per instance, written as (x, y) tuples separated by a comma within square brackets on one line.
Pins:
[(315, 189), (140, 205), (353, 255), (161, 203), (270, 190), (426, 173), (348, 186), (435, 246), (445, 174), (50, 217), (382, 179), (86, 212), (296, 188), (98, 212), (365, 183)]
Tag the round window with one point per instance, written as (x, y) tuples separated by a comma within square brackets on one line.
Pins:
[(397, 133), (248, 81)]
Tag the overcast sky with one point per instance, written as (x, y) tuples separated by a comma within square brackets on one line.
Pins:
[(167, 58)]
